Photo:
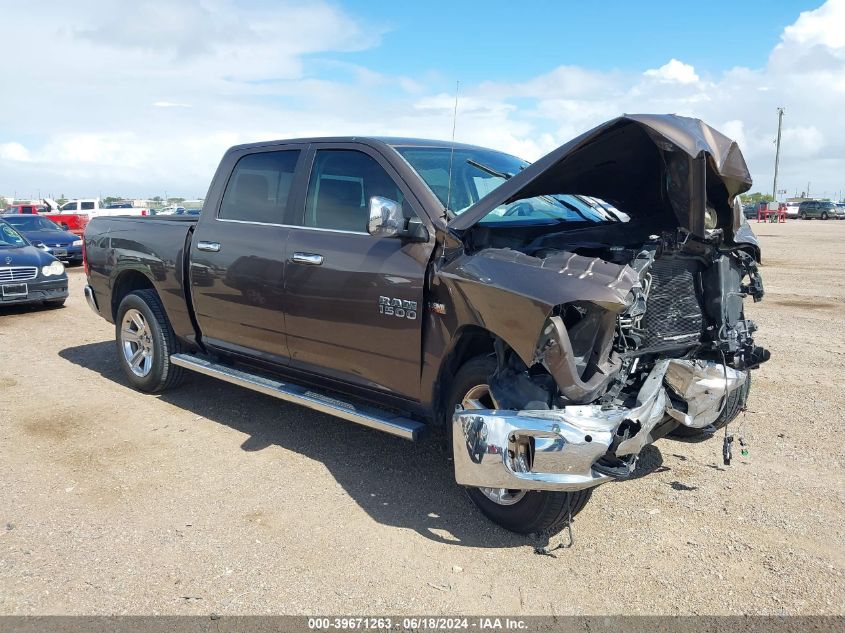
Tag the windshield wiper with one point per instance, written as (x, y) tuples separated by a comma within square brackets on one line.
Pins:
[(489, 170)]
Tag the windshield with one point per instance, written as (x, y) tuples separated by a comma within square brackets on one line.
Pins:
[(9, 237), (32, 223), (477, 172)]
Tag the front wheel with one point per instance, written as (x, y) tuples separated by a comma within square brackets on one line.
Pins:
[(145, 341), (539, 512), (824, 215)]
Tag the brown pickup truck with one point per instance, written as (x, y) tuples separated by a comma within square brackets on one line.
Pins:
[(554, 317)]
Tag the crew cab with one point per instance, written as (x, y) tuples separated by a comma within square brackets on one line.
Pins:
[(554, 318)]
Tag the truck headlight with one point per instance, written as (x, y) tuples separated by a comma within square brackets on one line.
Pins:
[(53, 268), (76, 243)]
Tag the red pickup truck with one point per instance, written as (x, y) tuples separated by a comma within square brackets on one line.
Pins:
[(73, 222)]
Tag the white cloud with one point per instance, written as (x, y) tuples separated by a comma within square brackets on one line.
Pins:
[(133, 103), (14, 152), (825, 26), (674, 71)]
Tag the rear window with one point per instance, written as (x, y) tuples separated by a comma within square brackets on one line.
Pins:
[(259, 188)]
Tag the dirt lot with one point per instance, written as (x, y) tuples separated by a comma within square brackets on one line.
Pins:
[(211, 499)]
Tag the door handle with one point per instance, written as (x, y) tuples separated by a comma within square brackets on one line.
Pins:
[(211, 247), (311, 259)]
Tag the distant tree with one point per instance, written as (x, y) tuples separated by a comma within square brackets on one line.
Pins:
[(758, 197), (156, 198), (111, 200), (61, 200), (176, 200)]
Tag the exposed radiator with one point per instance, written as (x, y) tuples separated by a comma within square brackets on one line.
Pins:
[(673, 313)]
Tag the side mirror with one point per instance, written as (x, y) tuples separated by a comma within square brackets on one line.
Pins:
[(386, 218)]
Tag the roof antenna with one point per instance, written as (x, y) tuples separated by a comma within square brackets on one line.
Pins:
[(452, 153)]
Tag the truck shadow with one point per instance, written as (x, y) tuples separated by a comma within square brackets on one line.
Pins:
[(398, 483)]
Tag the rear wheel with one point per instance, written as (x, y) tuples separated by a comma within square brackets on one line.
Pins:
[(145, 342), (803, 215), (539, 512)]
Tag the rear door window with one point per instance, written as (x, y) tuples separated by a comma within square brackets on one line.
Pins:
[(87, 206), (260, 187)]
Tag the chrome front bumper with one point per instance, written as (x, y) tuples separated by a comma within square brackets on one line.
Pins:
[(553, 449)]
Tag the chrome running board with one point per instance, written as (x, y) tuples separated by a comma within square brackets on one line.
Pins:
[(366, 416)]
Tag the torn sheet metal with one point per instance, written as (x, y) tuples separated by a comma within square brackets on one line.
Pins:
[(703, 386)]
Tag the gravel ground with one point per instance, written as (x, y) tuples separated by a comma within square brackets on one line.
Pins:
[(212, 499)]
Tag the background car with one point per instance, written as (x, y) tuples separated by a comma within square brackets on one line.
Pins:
[(749, 210), (28, 274), (94, 208), (73, 222), (792, 209), (821, 209), (46, 235)]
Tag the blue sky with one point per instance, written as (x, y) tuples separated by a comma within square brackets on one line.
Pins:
[(135, 98), (506, 40)]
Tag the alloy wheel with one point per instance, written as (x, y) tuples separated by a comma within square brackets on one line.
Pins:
[(137, 342)]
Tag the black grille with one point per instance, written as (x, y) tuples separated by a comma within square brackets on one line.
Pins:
[(673, 313)]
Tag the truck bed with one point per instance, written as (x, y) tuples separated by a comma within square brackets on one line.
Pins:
[(138, 250)]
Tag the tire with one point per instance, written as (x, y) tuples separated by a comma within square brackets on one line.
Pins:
[(538, 512), (734, 406), (803, 215), (824, 215), (155, 342)]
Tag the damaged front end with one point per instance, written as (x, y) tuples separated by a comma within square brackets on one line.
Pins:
[(650, 332)]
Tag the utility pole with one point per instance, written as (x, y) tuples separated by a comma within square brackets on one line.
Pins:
[(777, 156)]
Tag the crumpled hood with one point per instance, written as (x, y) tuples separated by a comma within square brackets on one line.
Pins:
[(648, 165)]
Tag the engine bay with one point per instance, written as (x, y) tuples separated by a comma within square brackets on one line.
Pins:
[(681, 324)]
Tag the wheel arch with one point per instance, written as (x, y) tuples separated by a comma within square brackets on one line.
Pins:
[(125, 282), (468, 341)]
